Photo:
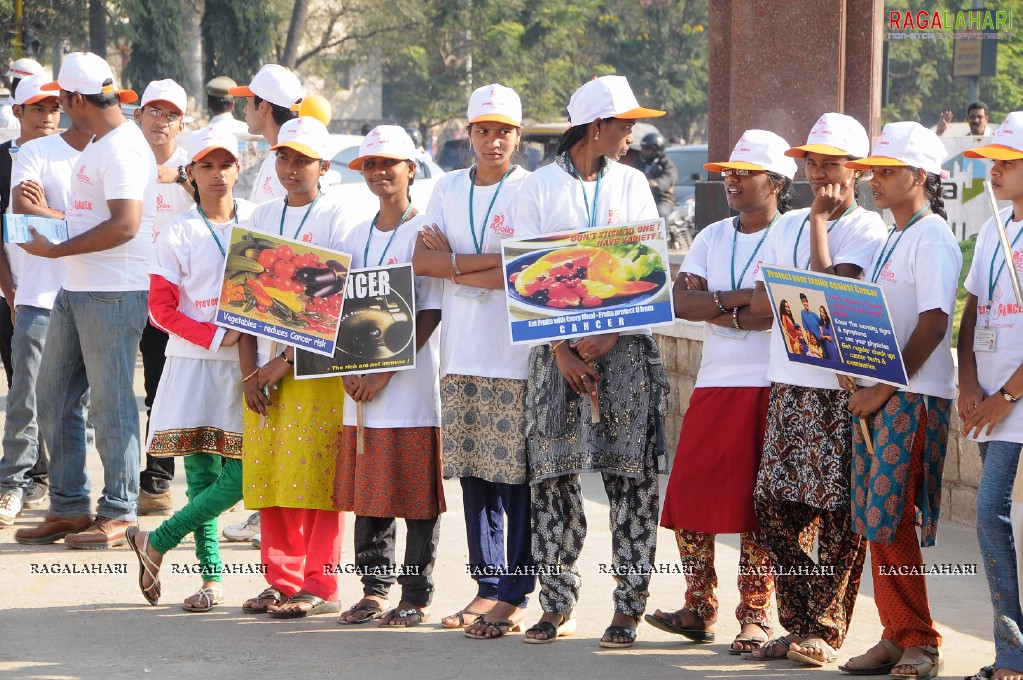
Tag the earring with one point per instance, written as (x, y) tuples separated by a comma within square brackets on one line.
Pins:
[(596, 136)]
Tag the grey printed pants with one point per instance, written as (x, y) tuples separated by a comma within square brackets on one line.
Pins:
[(559, 529)]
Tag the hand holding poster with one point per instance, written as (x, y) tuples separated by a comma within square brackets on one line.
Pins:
[(378, 326), (835, 323), (586, 282), (16, 228), (283, 290)]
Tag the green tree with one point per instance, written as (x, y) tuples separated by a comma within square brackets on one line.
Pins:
[(236, 38), (158, 46)]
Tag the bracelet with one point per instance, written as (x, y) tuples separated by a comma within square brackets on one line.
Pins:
[(250, 376), (717, 301), (289, 362), (735, 318), (556, 345), (454, 266)]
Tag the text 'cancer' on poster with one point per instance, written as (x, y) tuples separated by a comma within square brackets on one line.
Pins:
[(378, 326), (835, 323)]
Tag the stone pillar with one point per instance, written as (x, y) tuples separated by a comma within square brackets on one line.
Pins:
[(779, 65)]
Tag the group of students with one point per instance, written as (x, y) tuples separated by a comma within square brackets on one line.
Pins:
[(770, 449), (793, 461)]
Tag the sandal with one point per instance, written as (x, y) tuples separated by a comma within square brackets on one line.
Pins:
[(461, 615), (753, 641), (985, 673), (830, 655), (416, 615), (146, 567), (670, 623), (927, 667), (252, 606), (373, 612), (317, 606), (770, 651), (204, 600), (612, 631), (868, 665), (501, 627), (550, 631)]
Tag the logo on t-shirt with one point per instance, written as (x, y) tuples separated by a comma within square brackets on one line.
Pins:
[(757, 268), (613, 216), (83, 177), (268, 187), (392, 260), (499, 227), (887, 275), (162, 205), (307, 237), (1017, 259), (79, 204)]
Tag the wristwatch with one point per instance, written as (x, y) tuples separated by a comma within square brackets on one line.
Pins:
[(289, 362), (1008, 397), (182, 175)]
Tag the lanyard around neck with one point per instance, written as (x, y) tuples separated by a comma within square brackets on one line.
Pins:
[(481, 242), (735, 237), (369, 237), (234, 212), (799, 235), (879, 267), (301, 224), (992, 277)]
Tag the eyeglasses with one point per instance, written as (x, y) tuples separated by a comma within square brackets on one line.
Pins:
[(739, 172), (160, 113)]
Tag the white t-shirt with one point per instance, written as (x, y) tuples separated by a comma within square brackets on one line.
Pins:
[(172, 199), (120, 165), (922, 274), (228, 121), (851, 240), (553, 200), (325, 226), (475, 336), (718, 254), (412, 397), (267, 186), (186, 255), (1006, 317), (49, 161), (7, 119)]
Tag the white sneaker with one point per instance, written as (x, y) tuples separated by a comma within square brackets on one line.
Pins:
[(244, 531), (255, 541), (10, 508)]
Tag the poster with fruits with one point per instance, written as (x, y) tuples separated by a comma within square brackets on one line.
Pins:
[(283, 290), (586, 282), (378, 326)]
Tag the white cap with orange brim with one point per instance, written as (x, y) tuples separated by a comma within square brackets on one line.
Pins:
[(1007, 143), (89, 74), (306, 135), (606, 97), (834, 134), (385, 141), (272, 83), (758, 150), (906, 143), (202, 142)]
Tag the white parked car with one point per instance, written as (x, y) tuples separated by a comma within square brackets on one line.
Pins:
[(360, 203)]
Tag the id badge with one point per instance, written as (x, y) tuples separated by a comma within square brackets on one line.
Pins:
[(985, 339), (729, 332), (472, 292)]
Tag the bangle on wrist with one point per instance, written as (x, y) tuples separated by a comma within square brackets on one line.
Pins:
[(289, 362), (735, 318), (454, 266), (555, 346), (1007, 396), (717, 301), (250, 376)]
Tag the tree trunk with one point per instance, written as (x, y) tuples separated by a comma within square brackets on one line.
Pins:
[(295, 30), (98, 27)]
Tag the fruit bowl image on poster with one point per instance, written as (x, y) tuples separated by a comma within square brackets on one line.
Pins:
[(283, 290)]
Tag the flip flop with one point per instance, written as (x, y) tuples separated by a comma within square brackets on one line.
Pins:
[(620, 632), (207, 598), (501, 627), (270, 593), (830, 655), (418, 615), (318, 606), (146, 567), (668, 625), (373, 611)]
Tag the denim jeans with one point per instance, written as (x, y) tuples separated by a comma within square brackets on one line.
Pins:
[(495, 511), (994, 532), (22, 446), (91, 345)]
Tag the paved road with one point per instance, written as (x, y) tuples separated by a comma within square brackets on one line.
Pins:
[(96, 625)]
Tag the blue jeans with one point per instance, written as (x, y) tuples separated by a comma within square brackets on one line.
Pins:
[(91, 345), (994, 531), (21, 442), (491, 510)]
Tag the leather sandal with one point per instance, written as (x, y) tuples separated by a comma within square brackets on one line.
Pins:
[(462, 615), (204, 600), (550, 631), (501, 627), (753, 641), (618, 631), (669, 623), (253, 607), (372, 610), (830, 655), (146, 567), (317, 605), (928, 667), (771, 651), (868, 665)]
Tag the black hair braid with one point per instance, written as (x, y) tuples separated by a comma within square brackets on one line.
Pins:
[(785, 193), (932, 192)]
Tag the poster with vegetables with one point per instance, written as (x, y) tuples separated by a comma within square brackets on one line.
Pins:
[(283, 290), (378, 326), (587, 282)]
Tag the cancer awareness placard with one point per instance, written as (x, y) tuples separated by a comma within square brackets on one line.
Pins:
[(587, 281), (16, 228), (834, 323), (378, 326), (284, 290)]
